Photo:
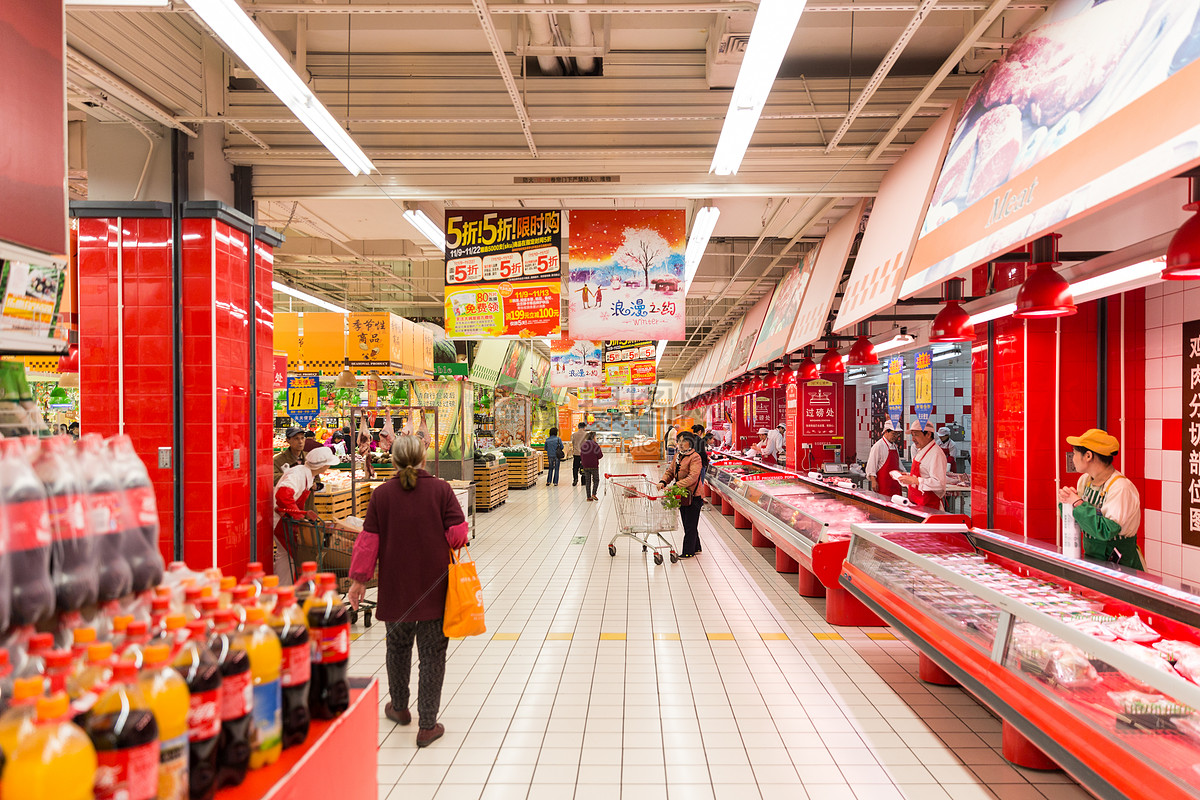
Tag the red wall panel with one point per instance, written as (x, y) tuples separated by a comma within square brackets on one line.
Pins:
[(264, 320)]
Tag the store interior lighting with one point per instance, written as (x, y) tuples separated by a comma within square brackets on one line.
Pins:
[(946, 355), (308, 298), (774, 24), (658, 351), (120, 3), (897, 342), (702, 228), (428, 228), (242, 36), (1005, 310)]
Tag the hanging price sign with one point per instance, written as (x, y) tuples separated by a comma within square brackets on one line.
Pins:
[(303, 397)]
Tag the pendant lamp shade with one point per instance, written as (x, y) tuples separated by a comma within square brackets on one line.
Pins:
[(346, 380), (807, 370), (952, 324), (1045, 293), (785, 377), (771, 381), (1183, 252), (832, 363), (69, 362), (862, 353)]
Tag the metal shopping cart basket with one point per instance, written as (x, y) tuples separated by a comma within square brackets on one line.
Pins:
[(640, 515), (331, 547)]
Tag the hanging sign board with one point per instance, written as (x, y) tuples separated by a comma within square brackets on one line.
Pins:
[(280, 369), (303, 397), (781, 314), (503, 273), (1191, 433), (924, 386), (576, 362), (895, 388), (739, 360), (826, 275), (629, 363)]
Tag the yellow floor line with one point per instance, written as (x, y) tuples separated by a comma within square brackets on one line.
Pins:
[(612, 637), (720, 637), (505, 637), (882, 637), (829, 637), (773, 637), (559, 637), (666, 637)]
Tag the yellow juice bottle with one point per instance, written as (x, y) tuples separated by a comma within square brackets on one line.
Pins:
[(17, 722), (266, 658), (54, 760), (168, 696)]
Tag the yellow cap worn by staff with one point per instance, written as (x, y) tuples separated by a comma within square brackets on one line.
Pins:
[(1105, 504)]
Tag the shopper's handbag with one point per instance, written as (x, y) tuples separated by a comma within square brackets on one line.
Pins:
[(562, 454), (464, 598)]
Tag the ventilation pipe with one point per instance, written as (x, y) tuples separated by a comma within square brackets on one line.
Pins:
[(541, 35), (581, 36)]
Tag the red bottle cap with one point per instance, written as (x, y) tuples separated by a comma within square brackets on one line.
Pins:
[(125, 672), (192, 594), (308, 566), (58, 659), (208, 605), (160, 605), (198, 629), (40, 642), (137, 629), (286, 596)]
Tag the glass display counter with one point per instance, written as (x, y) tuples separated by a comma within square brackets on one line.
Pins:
[(1090, 668)]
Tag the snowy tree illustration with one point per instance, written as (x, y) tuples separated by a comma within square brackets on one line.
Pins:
[(641, 249)]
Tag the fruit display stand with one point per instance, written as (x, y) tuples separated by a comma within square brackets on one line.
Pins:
[(491, 485), (523, 468), (333, 505), (343, 748), (807, 521), (1050, 644)]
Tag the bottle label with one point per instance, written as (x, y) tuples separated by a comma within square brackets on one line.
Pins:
[(104, 512), (204, 715), (173, 769), (297, 665), (128, 774), (67, 519), (28, 526), (237, 696), (330, 645), (144, 504), (268, 715)]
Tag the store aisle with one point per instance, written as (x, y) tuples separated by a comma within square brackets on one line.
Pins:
[(602, 678)]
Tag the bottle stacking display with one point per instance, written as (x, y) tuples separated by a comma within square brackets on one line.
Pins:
[(122, 677)]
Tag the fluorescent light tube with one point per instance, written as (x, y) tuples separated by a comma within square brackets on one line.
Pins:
[(427, 227), (121, 3), (946, 356), (770, 36), (702, 228), (895, 343), (992, 313), (1141, 271), (308, 298), (239, 33), (662, 346)]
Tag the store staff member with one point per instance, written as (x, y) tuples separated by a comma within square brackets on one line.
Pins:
[(776, 438), (883, 461), (927, 481), (1105, 504), (293, 454), (949, 447)]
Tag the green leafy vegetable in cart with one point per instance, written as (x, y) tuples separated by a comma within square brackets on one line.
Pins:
[(674, 497)]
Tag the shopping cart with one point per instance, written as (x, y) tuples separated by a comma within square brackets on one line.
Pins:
[(640, 515), (331, 547)]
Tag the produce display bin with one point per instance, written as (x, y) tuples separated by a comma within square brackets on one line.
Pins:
[(491, 485)]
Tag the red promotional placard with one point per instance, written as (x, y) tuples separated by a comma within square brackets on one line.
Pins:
[(791, 438), (819, 419)]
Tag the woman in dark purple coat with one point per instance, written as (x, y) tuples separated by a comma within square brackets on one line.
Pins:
[(412, 522)]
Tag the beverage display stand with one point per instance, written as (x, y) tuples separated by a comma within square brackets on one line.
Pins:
[(341, 751)]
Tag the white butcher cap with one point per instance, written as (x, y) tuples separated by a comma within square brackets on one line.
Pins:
[(916, 426), (762, 431), (888, 426), (943, 432)]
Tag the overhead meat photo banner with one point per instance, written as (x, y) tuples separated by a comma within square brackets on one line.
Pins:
[(781, 314), (576, 363), (503, 273), (626, 274), (1090, 106), (629, 363)]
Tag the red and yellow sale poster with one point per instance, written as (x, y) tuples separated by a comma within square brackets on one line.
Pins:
[(629, 363)]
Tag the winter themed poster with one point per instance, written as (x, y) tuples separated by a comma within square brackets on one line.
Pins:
[(626, 274), (575, 362)]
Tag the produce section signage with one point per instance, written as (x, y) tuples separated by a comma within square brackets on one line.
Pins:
[(303, 397), (503, 273), (576, 362), (923, 401), (819, 410), (1084, 109), (1191, 433), (895, 388), (629, 363), (29, 296), (626, 274)]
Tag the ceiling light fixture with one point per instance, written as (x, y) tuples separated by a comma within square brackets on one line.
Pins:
[(897, 342), (702, 228), (1138, 272), (946, 356), (242, 36), (832, 363), (806, 370), (308, 298), (428, 228), (774, 25), (1183, 252), (952, 324), (1045, 293), (862, 352), (992, 313)]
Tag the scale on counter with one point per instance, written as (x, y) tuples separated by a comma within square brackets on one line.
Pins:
[(834, 468)]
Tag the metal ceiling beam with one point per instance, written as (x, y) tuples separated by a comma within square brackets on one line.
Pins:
[(510, 83), (686, 7), (86, 69)]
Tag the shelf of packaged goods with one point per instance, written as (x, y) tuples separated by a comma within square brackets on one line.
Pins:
[(345, 747), (1059, 690)]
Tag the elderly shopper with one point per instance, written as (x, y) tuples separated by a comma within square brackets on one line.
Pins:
[(685, 471), (292, 492)]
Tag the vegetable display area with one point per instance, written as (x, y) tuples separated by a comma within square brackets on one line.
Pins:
[(1092, 668)]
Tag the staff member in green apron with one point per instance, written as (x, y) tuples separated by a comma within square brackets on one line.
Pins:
[(1105, 504)]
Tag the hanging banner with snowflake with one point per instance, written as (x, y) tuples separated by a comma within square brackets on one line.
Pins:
[(626, 274)]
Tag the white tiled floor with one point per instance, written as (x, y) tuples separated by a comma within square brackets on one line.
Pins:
[(601, 678)]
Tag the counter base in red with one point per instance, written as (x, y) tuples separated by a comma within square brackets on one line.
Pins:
[(784, 562), (1022, 752), (808, 585), (726, 507), (930, 672), (740, 521), (705, 492), (757, 539), (847, 611)]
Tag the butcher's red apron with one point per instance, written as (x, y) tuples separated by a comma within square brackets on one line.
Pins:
[(888, 485), (768, 459), (919, 498), (949, 459)]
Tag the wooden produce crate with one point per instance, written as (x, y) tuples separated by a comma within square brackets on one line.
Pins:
[(491, 486), (385, 471), (333, 505), (523, 471)]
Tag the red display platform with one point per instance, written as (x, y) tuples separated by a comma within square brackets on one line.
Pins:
[(341, 752)]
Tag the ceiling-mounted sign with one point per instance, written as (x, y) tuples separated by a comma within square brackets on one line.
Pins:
[(923, 386), (781, 314), (626, 274), (503, 273), (377, 341), (488, 361), (576, 362), (895, 389), (1190, 468), (819, 407), (1092, 105), (511, 372), (826, 275), (887, 243), (629, 363), (739, 360), (315, 341)]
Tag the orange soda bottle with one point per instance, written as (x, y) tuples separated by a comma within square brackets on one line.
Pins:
[(17, 722), (125, 733), (87, 684), (55, 760), (168, 696), (265, 662)]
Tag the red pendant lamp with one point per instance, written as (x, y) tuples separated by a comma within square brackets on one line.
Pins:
[(1183, 253), (807, 370), (1045, 293), (831, 362), (862, 352), (785, 377), (952, 324), (771, 380)]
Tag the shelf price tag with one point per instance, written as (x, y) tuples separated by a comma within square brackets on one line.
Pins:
[(303, 397)]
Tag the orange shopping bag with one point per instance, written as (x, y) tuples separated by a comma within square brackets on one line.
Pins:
[(464, 599)]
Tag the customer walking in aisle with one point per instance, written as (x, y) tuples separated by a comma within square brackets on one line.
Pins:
[(292, 497), (669, 442), (291, 455), (413, 520), (576, 443), (554, 456), (685, 471), (590, 454)]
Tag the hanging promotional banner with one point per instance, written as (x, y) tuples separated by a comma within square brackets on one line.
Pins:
[(280, 370), (629, 363), (626, 274), (576, 362), (503, 273), (822, 285), (510, 373), (895, 389), (782, 313), (30, 295), (739, 360), (820, 413), (303, 397), (923, 399), (454, 440), (533, 375), (489, 360)]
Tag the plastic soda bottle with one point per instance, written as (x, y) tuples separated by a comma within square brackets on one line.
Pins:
[(35, 655), (6, 681), (269, 595), (191, 601), (208, 610), (226, 594), (167, 694), (137, 636), (174, 633), (306, 584), (120, 624), (265, 662), (329, 640), (237, 700), (254, 577), (288, 622), (139, 515), (17, 722), (73, 554), (81, 640), (102, 504), (56, 760), (200, 670), (125, 733), (58, 669), (160, 609), (23, 500), (85, 687)]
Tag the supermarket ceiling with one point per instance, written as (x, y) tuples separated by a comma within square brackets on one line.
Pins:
[(624, 102)]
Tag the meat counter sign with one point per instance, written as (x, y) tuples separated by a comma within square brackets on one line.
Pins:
[(503, 273), (1191, 433), (819, 412)]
